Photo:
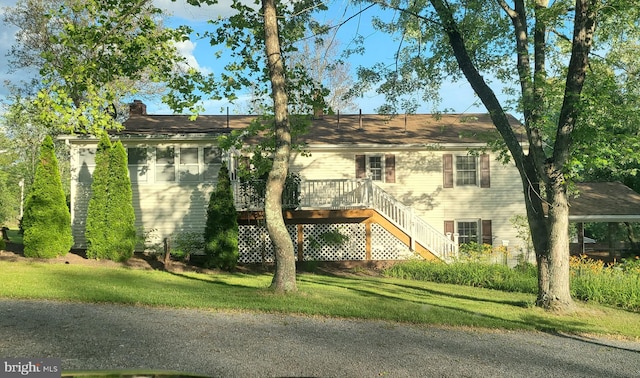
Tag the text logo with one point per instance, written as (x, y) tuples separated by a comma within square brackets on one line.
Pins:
[(30, 367)]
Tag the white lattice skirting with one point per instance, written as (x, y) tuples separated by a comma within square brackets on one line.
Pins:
[(324, 242)]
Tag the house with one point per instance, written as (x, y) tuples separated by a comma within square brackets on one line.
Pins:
[(390, 186)]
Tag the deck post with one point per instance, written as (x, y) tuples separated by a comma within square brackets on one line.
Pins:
[(411, 228), (367, 232), (300, 242), (368, 190)]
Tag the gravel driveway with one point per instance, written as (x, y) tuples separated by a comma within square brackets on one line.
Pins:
[(87, 336)]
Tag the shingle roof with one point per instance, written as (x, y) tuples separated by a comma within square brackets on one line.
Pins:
[(338, 129), (605, 202)]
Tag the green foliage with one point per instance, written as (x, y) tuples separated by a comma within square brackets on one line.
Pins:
[(7, 209), (3, 244), (47, 221), (591, 280), (110, 229), (221, 230), (474, 252), (97, 223), (254, 187), (185, 244), (490, 276), (331, 238), (121, 215), (613, 284), (240, 39), (95, 54)]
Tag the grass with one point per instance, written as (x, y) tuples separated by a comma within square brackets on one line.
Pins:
[(615, 284), (390, 299), (14, 236)]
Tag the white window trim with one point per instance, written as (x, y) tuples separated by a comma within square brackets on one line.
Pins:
[(455, 172), (478, 223), (199, 164), (149, 175), (367, 166)]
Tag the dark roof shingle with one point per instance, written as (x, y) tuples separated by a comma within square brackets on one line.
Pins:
[(338, 129)]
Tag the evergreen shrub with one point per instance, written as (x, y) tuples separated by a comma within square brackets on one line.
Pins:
[(221, 230), (46, 221), (110, 230)]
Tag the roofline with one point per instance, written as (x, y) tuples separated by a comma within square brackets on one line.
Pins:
[(605, 218), (197, 137), (414, 146), (140, 137)]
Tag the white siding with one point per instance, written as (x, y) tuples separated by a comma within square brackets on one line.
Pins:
[(162, 209), (419, 184), (171, 207)]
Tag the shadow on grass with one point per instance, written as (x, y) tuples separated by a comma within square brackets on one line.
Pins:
[(228, 290), (387, 291)]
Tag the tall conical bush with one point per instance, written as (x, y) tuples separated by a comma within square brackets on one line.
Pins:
[(110, 229), (97, 224), (120, 213), (221, 230), (46, 221)]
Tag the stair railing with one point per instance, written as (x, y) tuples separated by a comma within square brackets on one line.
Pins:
[(339, 194)]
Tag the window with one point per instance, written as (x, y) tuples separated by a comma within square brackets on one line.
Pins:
[(87, 162), (212, 163), (165, 164), (189, 167), (468, 171), (479, 231), (172, 163), (376, 167), (468, 232), (137, 161)]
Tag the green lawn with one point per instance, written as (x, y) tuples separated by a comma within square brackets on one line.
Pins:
[(14, 236), (390, 299)]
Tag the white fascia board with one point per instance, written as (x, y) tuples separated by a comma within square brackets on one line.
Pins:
[(604, 218), (388, 147), (145, 138)]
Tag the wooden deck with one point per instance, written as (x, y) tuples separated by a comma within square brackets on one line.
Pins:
[(366, 216), (351, 201)]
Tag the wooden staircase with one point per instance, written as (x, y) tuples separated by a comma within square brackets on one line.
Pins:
[(351, 201)]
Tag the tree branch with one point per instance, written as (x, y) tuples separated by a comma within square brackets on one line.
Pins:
[(583, 31)]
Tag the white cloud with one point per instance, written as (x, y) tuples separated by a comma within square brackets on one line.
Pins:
[(186, 49), (181, 9)]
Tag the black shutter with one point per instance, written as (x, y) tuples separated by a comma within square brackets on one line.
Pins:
[(485, 174), (361, 166), (449, 227), (447, 170), (487, 236), (390, 168)]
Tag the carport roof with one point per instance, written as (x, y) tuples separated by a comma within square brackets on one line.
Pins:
[(604, 202)]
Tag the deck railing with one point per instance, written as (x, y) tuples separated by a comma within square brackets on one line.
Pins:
[(340, 194)]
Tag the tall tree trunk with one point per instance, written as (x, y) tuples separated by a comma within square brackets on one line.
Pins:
[(284, 278), (558, 297), (537, 226), (550, 235)]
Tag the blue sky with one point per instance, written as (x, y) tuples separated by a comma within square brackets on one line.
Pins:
[(380, 47)]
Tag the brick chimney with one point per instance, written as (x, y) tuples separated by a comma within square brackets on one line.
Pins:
[(137, 107)]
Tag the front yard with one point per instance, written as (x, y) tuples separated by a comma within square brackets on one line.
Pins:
[(354, 293)]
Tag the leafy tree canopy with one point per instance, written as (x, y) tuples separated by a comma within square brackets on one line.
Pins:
[(92, 54)]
